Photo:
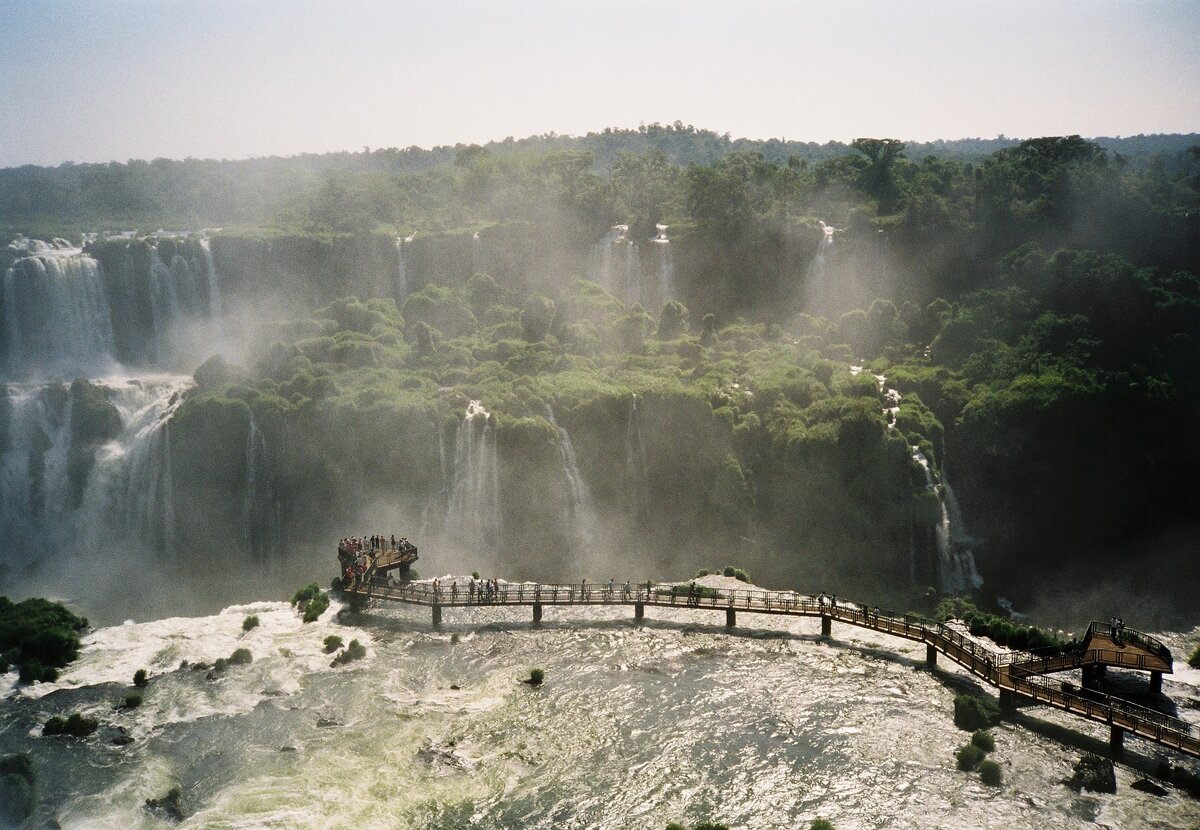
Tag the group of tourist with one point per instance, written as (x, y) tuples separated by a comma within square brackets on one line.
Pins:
[(357, 555)]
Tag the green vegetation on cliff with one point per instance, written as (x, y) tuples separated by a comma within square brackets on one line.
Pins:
[(38, 637)]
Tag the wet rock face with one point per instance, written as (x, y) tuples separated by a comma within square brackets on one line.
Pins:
[(1094, 774)]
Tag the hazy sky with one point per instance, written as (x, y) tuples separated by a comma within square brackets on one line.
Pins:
[(106, 80)]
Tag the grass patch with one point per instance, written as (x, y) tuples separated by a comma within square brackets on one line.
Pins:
[(131, 700), (241, 657), (38, 637), (1194, 660), (536, 677), (141, 680), (250, 623), (332, 643)]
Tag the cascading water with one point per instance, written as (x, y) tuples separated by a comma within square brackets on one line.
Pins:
[(956, 560), (216, 310), (666, 266), (583, 511), (473, 512), (402, 242), (602, 269), (478, 263), (955, 547), (633, 274), (635, 461), (125, 502), (260, 503), (56, 312)]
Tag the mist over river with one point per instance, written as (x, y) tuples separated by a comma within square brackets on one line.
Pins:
[(635, 726)]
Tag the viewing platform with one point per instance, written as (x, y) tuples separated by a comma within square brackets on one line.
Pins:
[(1019, 676)]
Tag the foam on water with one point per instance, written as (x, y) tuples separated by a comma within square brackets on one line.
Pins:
[(674, 720)]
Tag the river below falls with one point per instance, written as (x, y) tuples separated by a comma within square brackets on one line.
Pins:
[(635, 726)]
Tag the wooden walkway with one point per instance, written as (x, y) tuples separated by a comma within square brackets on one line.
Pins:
[(1019, 676)]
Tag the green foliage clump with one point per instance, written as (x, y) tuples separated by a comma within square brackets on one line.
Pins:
[(18, 788), (972, 712), (990, 773), (821, 824), (354, 651), (312, 601), (1194, 660), (131, 700), (983, 739), (76, 725), (39, 637), (241, 657), (536, 677), (998, 629), (140, 679), (251, 622), (969, 757), (332, 643)]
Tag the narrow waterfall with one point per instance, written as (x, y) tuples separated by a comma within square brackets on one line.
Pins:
[(473, 513), (666, 266), (962, 541), (583, 512), (816, 268), (601, 268), (950, 579), (216, 310), (164, 305), (478, 263), (635, 461), (56, 312), (34, 487), (633, 274), (401, 293), (260, 520), (956, 560)]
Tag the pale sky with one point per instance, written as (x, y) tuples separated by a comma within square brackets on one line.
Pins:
[(107, 80)]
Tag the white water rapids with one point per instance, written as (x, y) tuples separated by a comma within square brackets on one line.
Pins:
[(636, 726)]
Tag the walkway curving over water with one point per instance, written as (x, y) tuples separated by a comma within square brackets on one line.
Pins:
[(1019, 676)]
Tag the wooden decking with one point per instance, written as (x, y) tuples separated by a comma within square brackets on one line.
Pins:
[(1020, 676)]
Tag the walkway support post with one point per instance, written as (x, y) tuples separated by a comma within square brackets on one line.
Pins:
[(639, 610), (437, 615), (826, 626), (930, 655), (1008, 702), (1156, 682), (730, 618), (1116, 741), (537, 612)]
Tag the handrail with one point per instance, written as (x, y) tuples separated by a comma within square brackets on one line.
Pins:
[(1140, 638)]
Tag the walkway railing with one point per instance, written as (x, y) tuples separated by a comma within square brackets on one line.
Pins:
[(1018, 672)]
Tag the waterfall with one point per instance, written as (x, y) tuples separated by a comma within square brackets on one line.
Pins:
[(164, 304), (601, 267), (216, 311), (666, 266), (473, 511), (260, 520), (56, 312), (125, 503), (956, 561), (816, 268), (635, 460), (633, 274), (478, 265), (402, 269), (583, 511)]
